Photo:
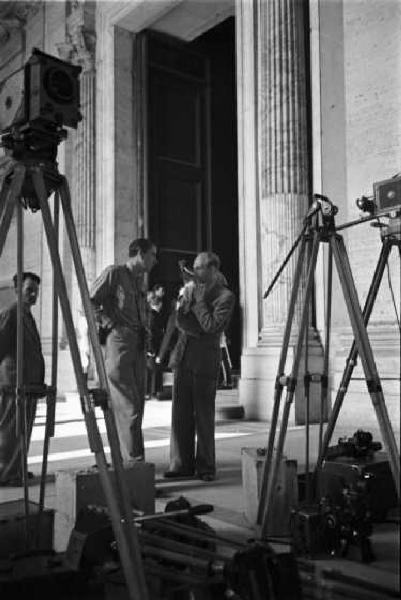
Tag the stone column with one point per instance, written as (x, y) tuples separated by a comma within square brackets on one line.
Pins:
[(282, 182), (283, 151), (83, 189), (80, 49)]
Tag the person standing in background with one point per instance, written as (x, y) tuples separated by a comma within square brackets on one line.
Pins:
[(33, 374), (157, 322), (121, 309)]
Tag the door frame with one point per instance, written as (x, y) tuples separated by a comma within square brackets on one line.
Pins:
[(116, 26)]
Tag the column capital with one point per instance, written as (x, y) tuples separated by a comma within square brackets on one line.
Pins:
[(80, 44)]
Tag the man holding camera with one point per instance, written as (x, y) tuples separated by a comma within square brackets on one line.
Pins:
[(204, 311), (120, 305)]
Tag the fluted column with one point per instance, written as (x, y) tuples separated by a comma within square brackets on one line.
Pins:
[(283, 150), (80, 49), (274, 188), (83, 188)]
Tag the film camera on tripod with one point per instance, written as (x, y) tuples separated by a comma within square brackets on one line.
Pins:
[(51, 100), (347, 503)]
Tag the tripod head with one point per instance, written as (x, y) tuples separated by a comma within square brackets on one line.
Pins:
[(51, 178), (392, 229), (321, 207), (386, 198)]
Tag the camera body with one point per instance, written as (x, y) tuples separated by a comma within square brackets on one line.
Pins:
[(361, 444), (387, 194), (51, 92), (386, 197), (50, 100)]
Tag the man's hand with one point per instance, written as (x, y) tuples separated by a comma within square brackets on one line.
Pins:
[(199, 292), (186, 296)]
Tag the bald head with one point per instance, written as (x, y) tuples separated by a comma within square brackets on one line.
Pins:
[(206, 266)]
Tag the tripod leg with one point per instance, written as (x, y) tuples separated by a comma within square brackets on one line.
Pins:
[(307, 378), (20, 396), (127, 544), (352, 356), (9, 197), (52, 395), (97, 351), (279, 384), (325, 374), (291, 384), (92, 330), (366, 354)]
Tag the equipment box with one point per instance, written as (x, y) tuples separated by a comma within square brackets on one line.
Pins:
[(13, 528), (78, 489), (373, 470), (307, 532), (285, 498)]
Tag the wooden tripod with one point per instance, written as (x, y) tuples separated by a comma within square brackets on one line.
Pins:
[(38, 179)]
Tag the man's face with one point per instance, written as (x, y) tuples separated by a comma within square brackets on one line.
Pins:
[(30, 291), (149, 259), (203, 272)]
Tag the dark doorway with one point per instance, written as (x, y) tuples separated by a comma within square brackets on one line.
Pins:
[(192, 156), (218, 44)]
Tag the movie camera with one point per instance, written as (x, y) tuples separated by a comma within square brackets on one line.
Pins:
[(332, 527), (386, 197), (349, 488), (50, 101), (360, 445)]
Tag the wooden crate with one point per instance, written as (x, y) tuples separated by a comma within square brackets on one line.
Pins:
[(77, 489), (13, 528), (286, 492)]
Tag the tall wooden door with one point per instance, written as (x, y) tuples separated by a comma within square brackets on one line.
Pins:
[(178, 155)]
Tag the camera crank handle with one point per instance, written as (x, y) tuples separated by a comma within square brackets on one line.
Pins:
[(201, 509)]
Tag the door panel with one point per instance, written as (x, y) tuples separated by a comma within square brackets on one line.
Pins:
[(178, 188), (179, 209), (175, 107)]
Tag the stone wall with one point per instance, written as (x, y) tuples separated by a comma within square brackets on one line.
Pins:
[(372, 50)]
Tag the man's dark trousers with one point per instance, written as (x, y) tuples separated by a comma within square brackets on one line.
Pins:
[(193, 398), (125, 366)]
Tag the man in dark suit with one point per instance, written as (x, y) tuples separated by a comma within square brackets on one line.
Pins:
[(33, 374), (203, 313)]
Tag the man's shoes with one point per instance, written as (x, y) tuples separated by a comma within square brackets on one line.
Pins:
[(177, 474), (207, 476)]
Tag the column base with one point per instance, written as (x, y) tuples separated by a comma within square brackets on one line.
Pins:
[(257, 384)]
